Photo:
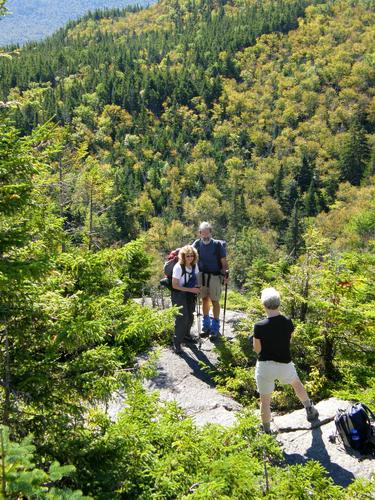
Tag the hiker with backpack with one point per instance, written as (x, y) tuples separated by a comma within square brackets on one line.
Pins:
[(271, 341), (184, 293), (213, 267)]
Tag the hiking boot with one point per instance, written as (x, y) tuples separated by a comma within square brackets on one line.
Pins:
[(177, 348), (311, 413), (189, 338), (215, 329), (206, 326), (205, 332), (270, 430)]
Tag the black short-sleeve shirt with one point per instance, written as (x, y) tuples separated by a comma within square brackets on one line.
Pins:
[(274, 334)]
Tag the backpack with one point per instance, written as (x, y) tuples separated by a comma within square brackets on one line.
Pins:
[(218, 244), (353, 426), (168, 268), (168, 271)]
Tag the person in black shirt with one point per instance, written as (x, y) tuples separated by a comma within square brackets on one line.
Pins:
[(271, 341)]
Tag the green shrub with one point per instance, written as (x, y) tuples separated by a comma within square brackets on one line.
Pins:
[(21, 478)]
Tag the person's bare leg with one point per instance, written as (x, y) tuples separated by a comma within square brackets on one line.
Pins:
[(300, 390), (311, 411), (265, 411), (206, 306), (216, 309)]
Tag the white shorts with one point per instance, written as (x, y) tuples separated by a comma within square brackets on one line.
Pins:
[(266, 372)]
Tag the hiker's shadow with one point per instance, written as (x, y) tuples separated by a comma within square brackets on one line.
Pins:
[(318, 452), (195, 363), (170, 377)]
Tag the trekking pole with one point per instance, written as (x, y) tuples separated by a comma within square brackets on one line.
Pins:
[(199, 321), (225, 300), (265, 472)]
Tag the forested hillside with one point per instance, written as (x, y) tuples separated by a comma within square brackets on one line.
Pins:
[(119, 134), (181, 120), (30, 20)]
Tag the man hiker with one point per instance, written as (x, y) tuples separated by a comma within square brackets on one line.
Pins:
[(271, 341), (213, 267)]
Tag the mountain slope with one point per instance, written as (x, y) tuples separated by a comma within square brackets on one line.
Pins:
[(29, 20), (194, 111)]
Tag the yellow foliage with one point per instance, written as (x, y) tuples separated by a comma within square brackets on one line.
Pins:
[(351, 220), (148, 19)]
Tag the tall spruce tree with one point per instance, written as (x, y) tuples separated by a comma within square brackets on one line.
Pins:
[(24, 253), (305, 174), (312, 200), (293, 236), (278, 184), (354, 154)]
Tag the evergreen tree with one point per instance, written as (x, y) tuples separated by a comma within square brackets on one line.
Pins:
[(354, 155), (21, 478), (24, 253), (293, 236), (278, 186), (305, 174), (290, 196), (312, 207)]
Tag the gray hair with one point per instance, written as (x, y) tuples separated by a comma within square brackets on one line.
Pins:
[(270, 298), (205, 225)]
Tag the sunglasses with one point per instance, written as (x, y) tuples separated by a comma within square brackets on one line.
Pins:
[(190, 255)]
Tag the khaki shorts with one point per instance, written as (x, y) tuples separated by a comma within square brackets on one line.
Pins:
[(266, 372), (213, 290)]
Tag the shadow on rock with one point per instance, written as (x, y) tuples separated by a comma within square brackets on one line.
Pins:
[(195, 364), (318, 452)]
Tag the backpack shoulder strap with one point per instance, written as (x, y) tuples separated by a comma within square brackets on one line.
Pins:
[(184, 274), (197, 245), (218, 245), (343, 427), (368, 411)]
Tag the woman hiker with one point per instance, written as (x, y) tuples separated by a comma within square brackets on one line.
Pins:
[(184, 294), (214, 272), (271, 341)]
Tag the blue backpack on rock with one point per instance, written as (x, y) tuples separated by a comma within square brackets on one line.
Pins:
[(354, 428)]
